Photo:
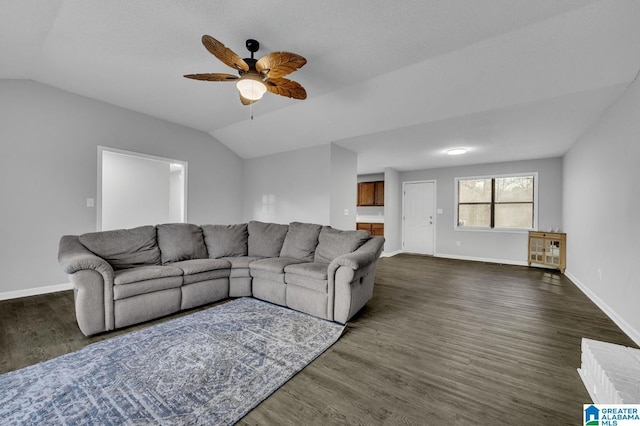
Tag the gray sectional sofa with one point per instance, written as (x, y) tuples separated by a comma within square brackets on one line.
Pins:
[(128, 276)]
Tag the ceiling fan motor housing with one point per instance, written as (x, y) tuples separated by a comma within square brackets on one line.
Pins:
[(252, 46), (252, 72)]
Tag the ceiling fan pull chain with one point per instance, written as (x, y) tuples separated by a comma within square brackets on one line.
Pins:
[(251, 110)]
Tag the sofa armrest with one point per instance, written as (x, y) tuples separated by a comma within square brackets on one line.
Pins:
[(364, 256), (74, 257), (92, 278), (351, 278)]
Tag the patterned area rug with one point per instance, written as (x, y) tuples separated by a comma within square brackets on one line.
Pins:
[(211, 367)]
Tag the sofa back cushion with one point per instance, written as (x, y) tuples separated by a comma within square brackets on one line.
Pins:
[(124, 248), (301, 241), (180, 241), (226, 240), (333, 243), (266, 239)]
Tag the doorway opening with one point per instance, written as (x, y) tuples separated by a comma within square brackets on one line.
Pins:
[(137, 189)]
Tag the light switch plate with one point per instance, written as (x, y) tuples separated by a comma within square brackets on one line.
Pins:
[(90, 202)]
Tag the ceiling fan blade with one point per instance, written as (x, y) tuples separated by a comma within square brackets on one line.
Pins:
[(226, 55), (246, 101), (286, 87), (279, 64), (213, 77)]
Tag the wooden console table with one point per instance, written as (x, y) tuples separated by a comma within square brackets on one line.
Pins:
[(548, 248)]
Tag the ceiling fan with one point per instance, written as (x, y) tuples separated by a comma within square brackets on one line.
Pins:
[(255, 76)]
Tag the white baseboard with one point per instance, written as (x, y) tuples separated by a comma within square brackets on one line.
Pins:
[(481, 259), (628, 329), (391, 253), (35, 291)]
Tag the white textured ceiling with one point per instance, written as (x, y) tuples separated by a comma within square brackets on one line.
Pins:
[(397, 82)]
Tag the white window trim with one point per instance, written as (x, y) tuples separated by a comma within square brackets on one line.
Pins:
[(486, 229)]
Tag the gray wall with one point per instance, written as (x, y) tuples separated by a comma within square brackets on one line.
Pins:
[(344, 187), (287, 187), (49, 151), (303, 186), (495, 246), (601, 206), (392, 211)]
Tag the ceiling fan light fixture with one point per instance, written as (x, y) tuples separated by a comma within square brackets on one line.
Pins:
[(251, 89)]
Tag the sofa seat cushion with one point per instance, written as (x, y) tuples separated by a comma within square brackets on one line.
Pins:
[(226, 240), (314, 270), (309, 275), (144, 273), (241, 262), (266, 239), (124, 248), (333, 243), (271, 269), (274, 265), (196, 270), (240, 265), (145, 279), (180, 241), (301, 241), (196, 266)]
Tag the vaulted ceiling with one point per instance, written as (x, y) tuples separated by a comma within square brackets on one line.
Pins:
[(396, 82)]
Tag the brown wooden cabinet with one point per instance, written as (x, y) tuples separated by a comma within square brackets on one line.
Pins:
[(548, 248), (371, 193), (366, 193), (378, 198), (375, 229)]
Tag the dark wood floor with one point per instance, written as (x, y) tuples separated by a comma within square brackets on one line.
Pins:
[(442, 342)]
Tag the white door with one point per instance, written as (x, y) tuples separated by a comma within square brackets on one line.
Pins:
[(418, 217)]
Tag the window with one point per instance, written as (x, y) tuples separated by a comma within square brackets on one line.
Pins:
[(504, 202)]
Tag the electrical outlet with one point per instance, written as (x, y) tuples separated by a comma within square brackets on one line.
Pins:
[(346, 212)]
